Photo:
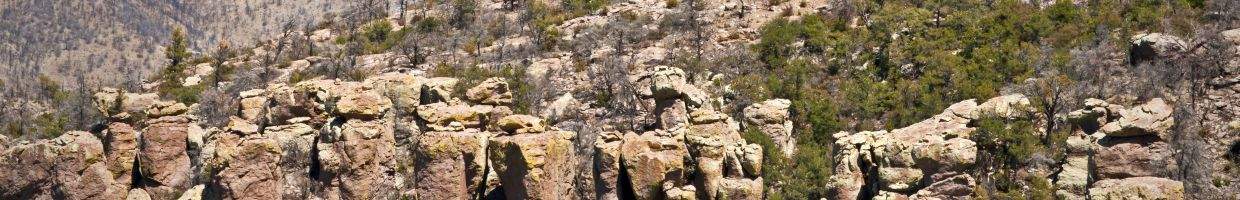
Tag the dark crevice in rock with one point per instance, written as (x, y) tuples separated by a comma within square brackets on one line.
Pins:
[(316, 168), (624, 185), (1233, 153), (870, 187)]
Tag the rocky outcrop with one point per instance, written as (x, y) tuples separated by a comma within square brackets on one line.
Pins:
[(164, 157), (450, 165), (929, 159), (71, 166), (772, 118), (493, 91), (533, 164), (1153, 46), (1137, 188)]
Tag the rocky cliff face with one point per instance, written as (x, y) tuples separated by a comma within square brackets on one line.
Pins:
[(329, 139)]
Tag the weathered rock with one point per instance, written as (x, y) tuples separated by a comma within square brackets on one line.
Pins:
[(452, 116), (1151, 46), (564, 107), (652, 159), (956, 187), (363, 156), (520, 124), (403, 89), (122, 153), (296, 143), (672, 114), (1123, 157), (450, 165), (771, 117), (253, 174), (1073, 179), (119, 105), (438, 89), (665, 82), (493, 91), (138, 194), (70, 166), (899, 179), (165, 108), (740, 188), (687, 192), (1012, 106), (607, 162), (194, 193), (1137, 188), (535, 166), (164, 158), (367, 104), (253, 105), (1151, 118)]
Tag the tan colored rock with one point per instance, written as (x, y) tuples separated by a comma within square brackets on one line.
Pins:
[(1073, 179), (493, 91), (672, 114), (1123, 157), (438, 89), (535, 166), (687, 192), (898, 178), (450, 165), (1015, 106), (441, 116), (253, 105), (119, 105), (956, 187), (138, 194), (253, 174), (741, 188), (607, 158), (666, 82), (772, 118), (367, 104), (403, 89), (361, 158), (1151, 118), (165, 108), (194, 193), (1155, 45), (164, 158), (521, 124), (123, 152), (652, 159), (1137, 188)]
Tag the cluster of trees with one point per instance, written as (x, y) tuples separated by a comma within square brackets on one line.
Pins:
[(867, 65)]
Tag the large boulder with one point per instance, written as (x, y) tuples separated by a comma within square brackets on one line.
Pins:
[(1123, 157), (1152, 46), (120, 105), (1151, 118), (520, 124), (365, 104), (70, 166), (404, 89), (535, 165), (122, 153), (1137, 188), (493, 91), (359, 155), (772, 118), (607, 162), (452, 116), (253, 105), (438, 89), (450, 165), (164, 157), (652, 159), (254, 173)]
